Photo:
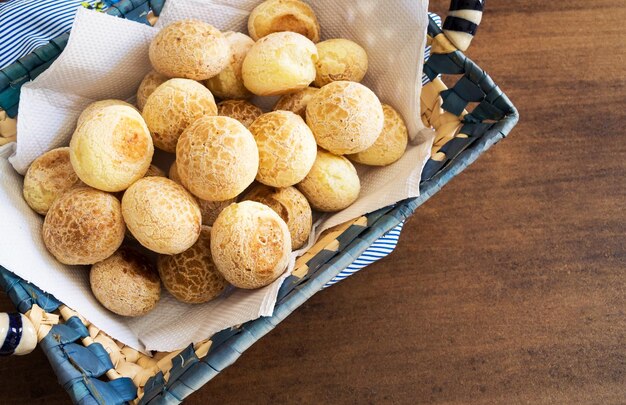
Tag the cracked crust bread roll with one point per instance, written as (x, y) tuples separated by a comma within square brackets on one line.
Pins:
[(280, 63), (345, 117), (296, 102), (83, 226), (154, 171), (217, 158), (209, 209), (126, 283), (340, 59), (228, 84), (48, 177), (112, 148), (390, 145), (189, 49), (241, 110), (191, 276), (283, 15), (250, 245), (332, 184), (287, 148), (172, 107), (161, 215), (291, 205), (97, 106), (147, 86)]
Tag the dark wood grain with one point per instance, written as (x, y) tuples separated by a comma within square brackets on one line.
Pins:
[(508, 286)]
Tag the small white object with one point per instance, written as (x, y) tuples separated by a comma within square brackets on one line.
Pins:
[(461, 40), (17, 334)]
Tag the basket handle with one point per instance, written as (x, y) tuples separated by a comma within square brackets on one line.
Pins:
[(462, 22), (19, 333)]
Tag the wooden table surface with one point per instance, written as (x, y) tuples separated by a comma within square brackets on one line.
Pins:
[(508, 286)]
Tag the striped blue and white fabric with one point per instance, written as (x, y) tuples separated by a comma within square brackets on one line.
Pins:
[(28, 24), (379, 249)]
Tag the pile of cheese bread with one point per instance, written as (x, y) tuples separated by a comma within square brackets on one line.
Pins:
[(240, 195)]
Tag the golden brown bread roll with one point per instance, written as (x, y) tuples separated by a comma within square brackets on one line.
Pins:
[(191, 276), (228, 84), (390, 145), (345, 117), (291, 205), (332, 184), (112, 148), (172, 107), (296, 102), (250, 245), (340, 59), (148, 85), (287, 148), (217, 158), (161, 215), (96, 107), (83, 226), (283, 15), (126, 283), (49, 176), (280, 63), (209, 209), (154, 171), (173, 173), (189, 49), (241, 110)]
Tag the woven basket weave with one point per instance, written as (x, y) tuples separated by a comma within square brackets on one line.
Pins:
[(81, 354)]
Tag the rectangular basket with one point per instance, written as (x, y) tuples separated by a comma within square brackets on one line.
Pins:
[(81, 354)]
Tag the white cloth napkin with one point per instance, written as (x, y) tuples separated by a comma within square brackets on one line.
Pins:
[(393, 33)]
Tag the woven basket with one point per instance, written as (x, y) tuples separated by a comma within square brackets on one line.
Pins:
[(81, 355)]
